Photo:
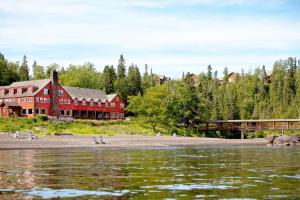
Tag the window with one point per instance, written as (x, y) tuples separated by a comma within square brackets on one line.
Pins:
[(41, 99), (106, 104), (62, 112), (37, 111), (99, 103), (91, 103), (65, 101), (60, 92), (36, 99), (68, 113), (76, 102), (43, 111), (49, 100), (45, 100), (30, 111), (69, 101), (113, 105), (83, 102), (122, 105), (24, 111), (19, 90), (46, 91), (61, 101)]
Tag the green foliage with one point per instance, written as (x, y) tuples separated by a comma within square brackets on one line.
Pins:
[(38, 71), (84, 76), (24, 70)]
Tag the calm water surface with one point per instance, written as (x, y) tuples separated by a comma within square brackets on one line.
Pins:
[(157, 173)]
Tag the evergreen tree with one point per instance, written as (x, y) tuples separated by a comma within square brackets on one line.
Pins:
[(146, 83), (209, 72), (24, 70), (109, 77), (134, 81), (121, 69), (226, 75)]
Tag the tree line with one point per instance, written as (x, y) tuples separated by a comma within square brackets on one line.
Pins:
[(181, 103), (125, 82), (253, 95)]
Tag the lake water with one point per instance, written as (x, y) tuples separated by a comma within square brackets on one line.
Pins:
[(212, 172)]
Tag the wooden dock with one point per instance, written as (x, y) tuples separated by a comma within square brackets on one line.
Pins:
[(250, 125)]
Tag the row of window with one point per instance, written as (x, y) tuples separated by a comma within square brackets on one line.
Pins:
[(36, 111), (13, 91), (42, 100)]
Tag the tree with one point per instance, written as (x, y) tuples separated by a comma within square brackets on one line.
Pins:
[(24, 70), (120, 84), (134, 80), (226, 75), (152, 107), (50, 68), (146, 83), (209, 72), (38, 71), (121, 68), (109, 77), (89, 77)]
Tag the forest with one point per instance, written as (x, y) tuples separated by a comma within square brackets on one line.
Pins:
[(181, 103)]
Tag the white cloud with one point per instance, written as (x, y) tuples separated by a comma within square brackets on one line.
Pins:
[(211, 38)]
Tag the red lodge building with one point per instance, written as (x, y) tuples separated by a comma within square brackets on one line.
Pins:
[(48, 97)]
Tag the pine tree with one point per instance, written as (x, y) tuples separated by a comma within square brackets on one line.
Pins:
[(24, 70), (121, 69), (109, 77), (209, 72), (134, 80)]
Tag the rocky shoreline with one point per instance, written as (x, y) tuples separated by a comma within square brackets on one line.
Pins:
[(9, 141)]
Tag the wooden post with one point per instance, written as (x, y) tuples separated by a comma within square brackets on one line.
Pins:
[(206, 126), (273, 126), (242, 134)]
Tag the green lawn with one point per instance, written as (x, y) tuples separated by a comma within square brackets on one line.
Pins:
[(43, 127)]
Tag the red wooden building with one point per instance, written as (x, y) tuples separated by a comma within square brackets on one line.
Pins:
[(48, 97)]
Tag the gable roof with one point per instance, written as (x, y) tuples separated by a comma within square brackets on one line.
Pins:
[(88, 94), (40, 84), (110, 97)]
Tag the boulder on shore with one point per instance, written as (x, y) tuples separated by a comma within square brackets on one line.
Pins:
[(283, 140)]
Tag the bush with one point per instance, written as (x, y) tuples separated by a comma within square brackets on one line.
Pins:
[(42, 118)]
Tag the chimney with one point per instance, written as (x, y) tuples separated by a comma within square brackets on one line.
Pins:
[(54, 94), (54, 77)]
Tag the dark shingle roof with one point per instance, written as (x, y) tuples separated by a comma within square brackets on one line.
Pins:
[(39, 84), (88, 94)]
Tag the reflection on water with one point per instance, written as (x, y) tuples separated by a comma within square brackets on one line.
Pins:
[(157, 173)]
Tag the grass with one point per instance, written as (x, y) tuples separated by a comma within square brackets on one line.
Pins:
[(42, 126)]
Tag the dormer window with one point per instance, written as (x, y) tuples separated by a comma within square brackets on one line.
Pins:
[(99, 103), (30, 89), (112, 105), (122, 105), (106, 104), (76, 101), (2, 92), (19, 91), (11, 91), (83, 102), (92, 102)]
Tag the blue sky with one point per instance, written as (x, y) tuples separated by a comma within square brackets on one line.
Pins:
[(171, 36)]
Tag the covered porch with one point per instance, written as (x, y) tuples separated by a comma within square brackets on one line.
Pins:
[(85, 114), (9, 109)]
